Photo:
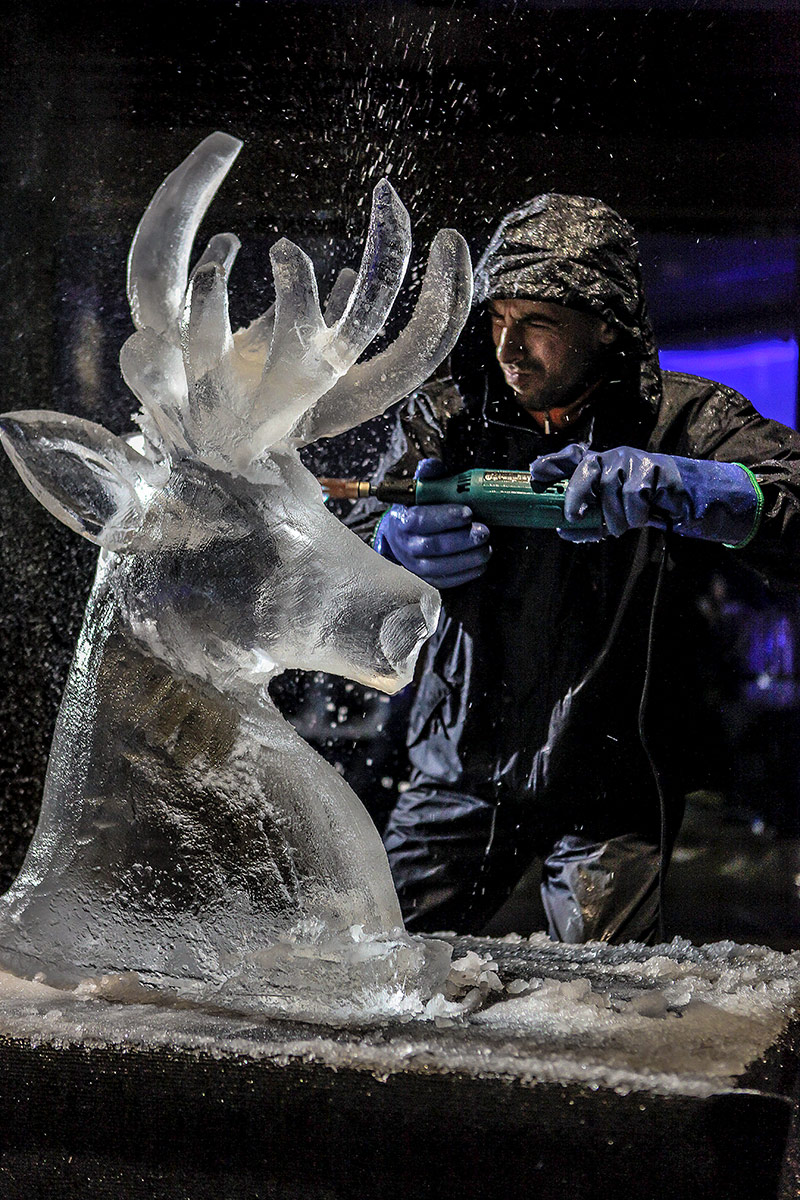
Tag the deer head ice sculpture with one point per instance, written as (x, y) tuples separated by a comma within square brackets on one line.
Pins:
[(187, 833)]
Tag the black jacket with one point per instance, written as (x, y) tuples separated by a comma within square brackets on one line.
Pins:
[(530, 690)]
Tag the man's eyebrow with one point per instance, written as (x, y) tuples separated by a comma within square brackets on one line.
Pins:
[(542, 318), (539, 317)]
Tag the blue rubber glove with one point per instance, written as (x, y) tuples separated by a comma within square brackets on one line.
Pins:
[(438, 542), (695, 497)]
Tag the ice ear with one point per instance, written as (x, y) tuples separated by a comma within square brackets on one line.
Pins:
[(90, 479), (158, 263), (370, 388)]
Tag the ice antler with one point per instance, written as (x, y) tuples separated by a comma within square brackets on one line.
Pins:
[(151, 361), (307, 356), (158, 263), (370, 388), (293, 372)]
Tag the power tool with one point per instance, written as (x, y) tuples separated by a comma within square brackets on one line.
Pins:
[(496, 497)]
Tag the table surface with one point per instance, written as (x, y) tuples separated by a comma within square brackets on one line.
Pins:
[(675, 1019)]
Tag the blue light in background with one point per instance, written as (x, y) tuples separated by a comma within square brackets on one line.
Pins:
[(765, 372)]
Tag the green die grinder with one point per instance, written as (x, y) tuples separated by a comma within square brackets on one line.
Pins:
[(496, 497)]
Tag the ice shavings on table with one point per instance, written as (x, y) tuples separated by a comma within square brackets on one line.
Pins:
[(677, 1019)]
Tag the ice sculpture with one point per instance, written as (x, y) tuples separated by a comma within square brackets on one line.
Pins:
[(187, 833)]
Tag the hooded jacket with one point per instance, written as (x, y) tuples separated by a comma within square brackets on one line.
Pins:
[(553, 699)]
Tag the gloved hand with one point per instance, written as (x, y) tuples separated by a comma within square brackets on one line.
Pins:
[(695, 497), (438, 542)]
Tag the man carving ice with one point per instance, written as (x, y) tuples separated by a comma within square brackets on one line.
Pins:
[(555, 703)]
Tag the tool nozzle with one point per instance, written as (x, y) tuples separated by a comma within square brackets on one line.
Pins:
[(344, 489)]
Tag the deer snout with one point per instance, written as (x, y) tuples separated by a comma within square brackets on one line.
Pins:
[(404, 630)]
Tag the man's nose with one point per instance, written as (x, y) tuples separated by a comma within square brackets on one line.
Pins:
[(509, 347)]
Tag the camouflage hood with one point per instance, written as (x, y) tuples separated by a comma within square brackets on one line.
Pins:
[(576, 251)]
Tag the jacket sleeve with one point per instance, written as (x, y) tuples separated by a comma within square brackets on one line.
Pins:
[(721, 424), (418, 432)]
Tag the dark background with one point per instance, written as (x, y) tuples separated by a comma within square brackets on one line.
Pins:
[(685, 118)]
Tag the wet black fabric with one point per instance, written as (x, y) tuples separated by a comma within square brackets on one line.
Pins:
[(525, 726)]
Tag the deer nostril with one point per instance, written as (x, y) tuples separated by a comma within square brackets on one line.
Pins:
[(431, 605), (402, 633)]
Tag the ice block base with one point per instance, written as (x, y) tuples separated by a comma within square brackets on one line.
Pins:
[(105, 1100)]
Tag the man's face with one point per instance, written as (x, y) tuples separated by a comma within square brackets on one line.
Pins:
[(549, 354)]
